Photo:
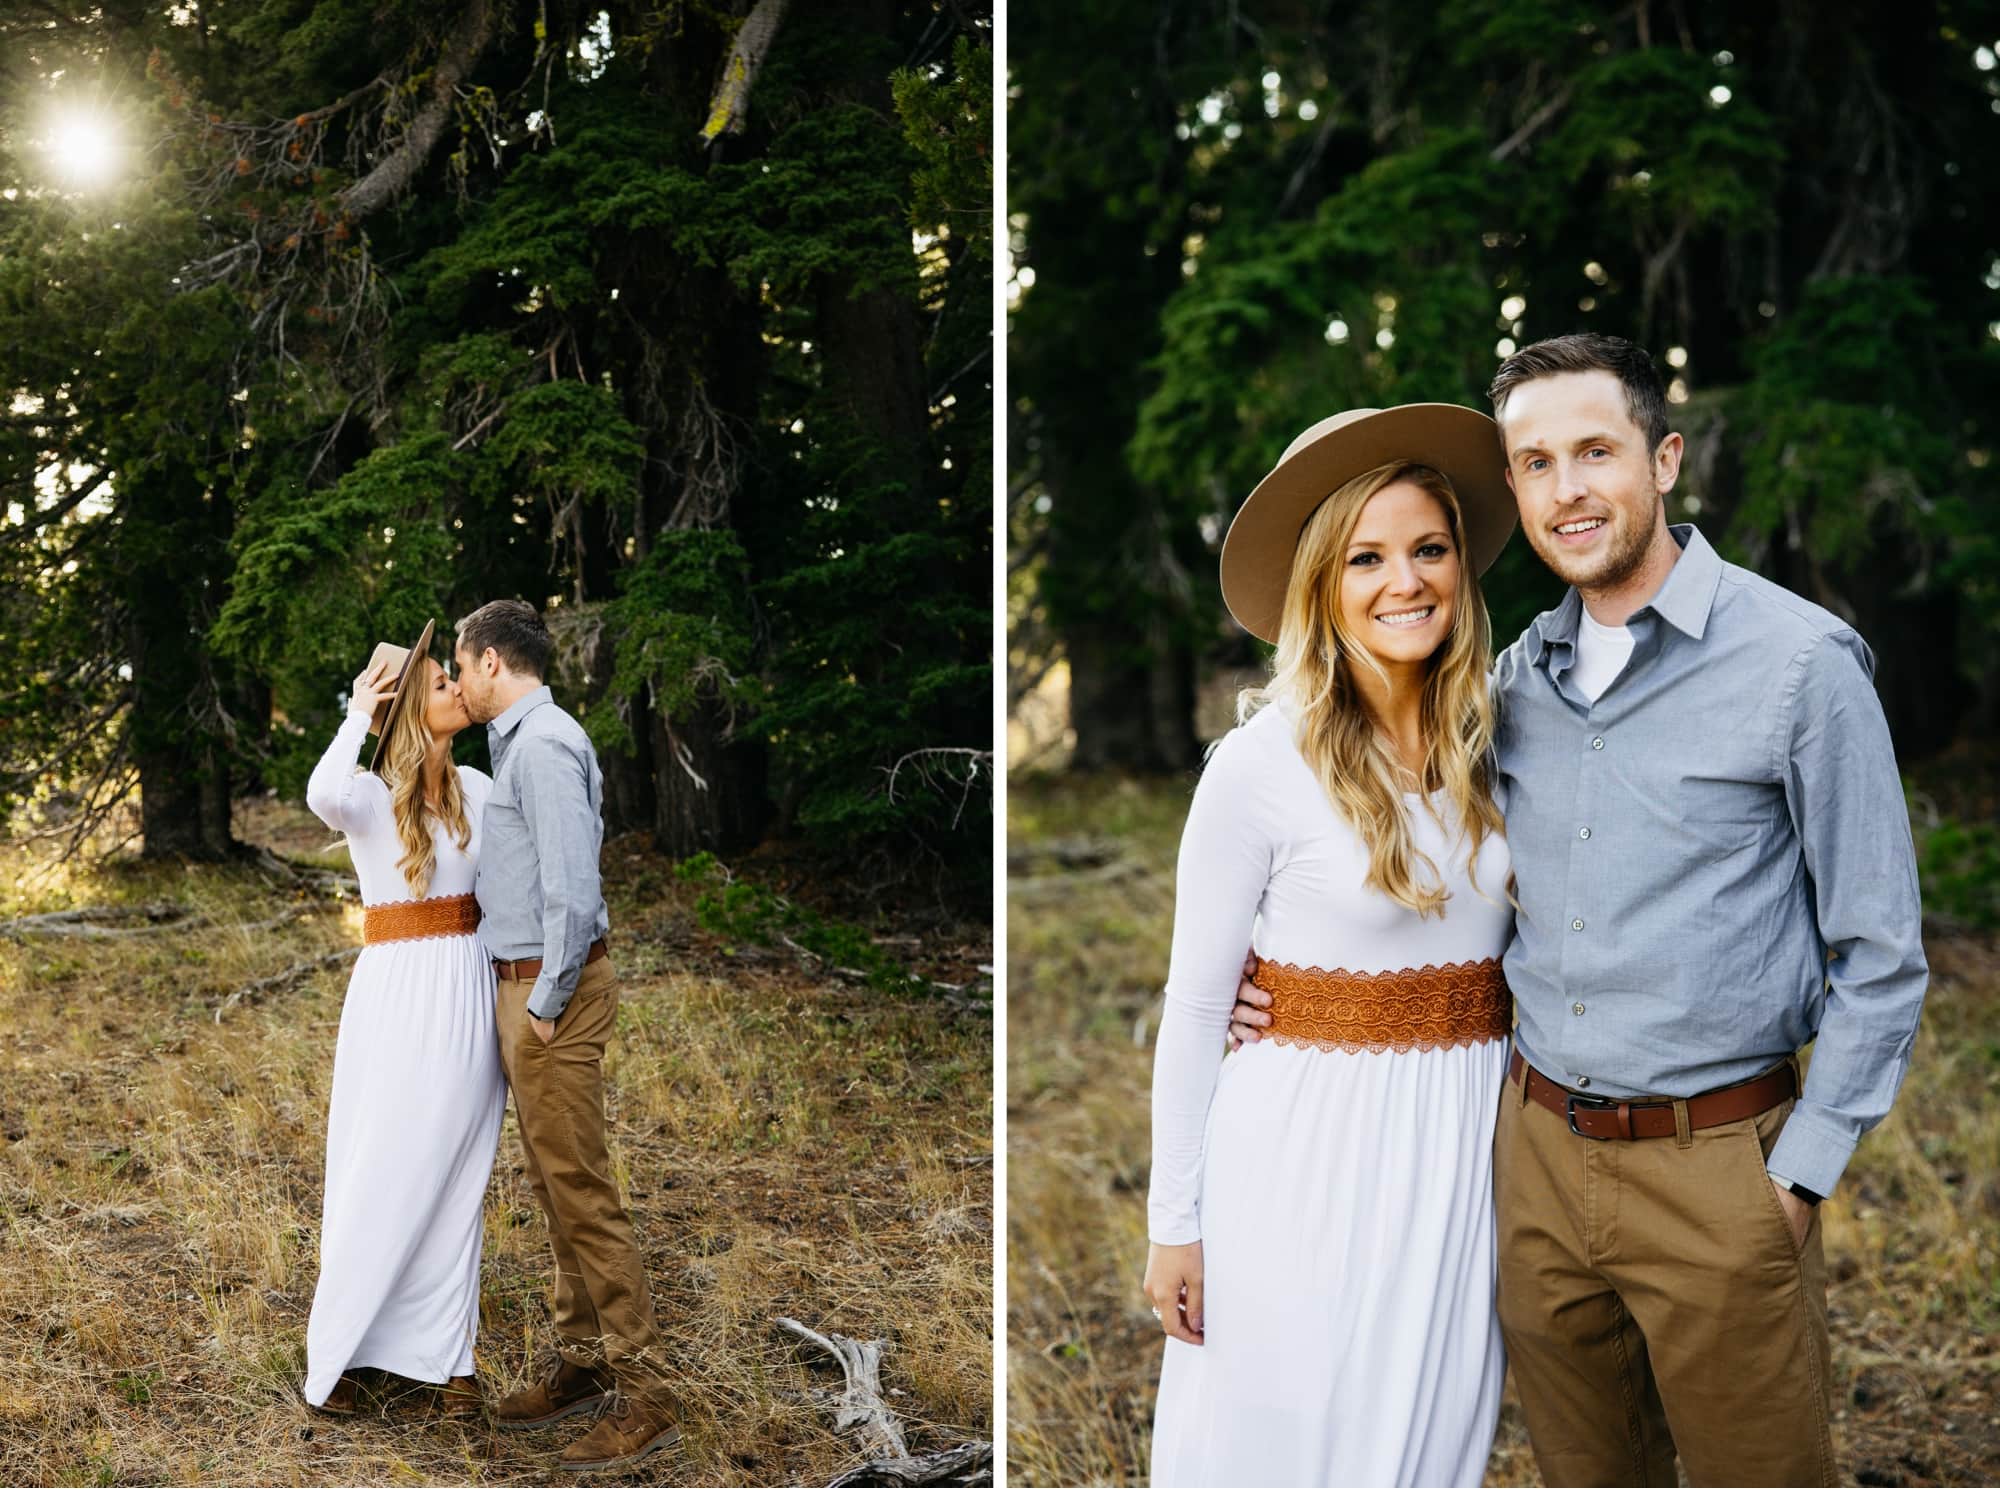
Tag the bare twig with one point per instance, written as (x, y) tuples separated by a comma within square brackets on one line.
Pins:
[(959, 767), (859, 1405), (1533, 126)]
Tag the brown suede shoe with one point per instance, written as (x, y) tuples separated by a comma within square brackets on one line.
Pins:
[(340, 1401), (461, 1399), (623, 1435), (564, 1389)]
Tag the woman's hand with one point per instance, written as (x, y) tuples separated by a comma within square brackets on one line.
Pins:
[(1173, 1283), (1251, 1016), (369, 688)]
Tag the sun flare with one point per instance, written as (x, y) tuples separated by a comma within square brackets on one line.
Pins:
[(84, 147)]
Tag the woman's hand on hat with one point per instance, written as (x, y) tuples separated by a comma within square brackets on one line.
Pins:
[(370, 686)]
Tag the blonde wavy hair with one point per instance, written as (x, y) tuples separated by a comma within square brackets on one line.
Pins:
[(403, 773), (1314, 671)]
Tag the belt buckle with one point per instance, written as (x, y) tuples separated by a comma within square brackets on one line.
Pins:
[(1589, 1103)]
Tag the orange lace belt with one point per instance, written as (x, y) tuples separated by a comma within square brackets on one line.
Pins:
[(1425, 1008), (411, 920)]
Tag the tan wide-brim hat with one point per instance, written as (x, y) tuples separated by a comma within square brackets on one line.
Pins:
[(1463, 443), (399, 657)]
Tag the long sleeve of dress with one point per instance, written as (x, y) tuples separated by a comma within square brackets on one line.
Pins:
[(1226, 855), (344, 801)]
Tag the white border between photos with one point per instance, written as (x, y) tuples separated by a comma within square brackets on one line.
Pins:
[(999, 291)]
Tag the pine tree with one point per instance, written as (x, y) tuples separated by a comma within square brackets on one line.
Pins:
[(595, 308), (1304, 212)]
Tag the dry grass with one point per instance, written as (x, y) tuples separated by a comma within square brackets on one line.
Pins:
[(788, 1144), (1912, 1245)]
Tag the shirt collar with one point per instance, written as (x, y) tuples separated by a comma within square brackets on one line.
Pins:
[(1683, 602), (508, 722)]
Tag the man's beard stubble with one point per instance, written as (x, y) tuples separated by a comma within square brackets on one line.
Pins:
[(1622, 558)]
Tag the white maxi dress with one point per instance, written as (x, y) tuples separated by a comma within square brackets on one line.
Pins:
[(413, 1122), (1343, 1195)]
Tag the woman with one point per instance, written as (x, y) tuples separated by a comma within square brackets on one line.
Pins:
[(414, 1118), (1321, 1209)]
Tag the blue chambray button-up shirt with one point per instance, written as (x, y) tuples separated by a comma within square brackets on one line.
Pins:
[(537, 882), (1692, 847)]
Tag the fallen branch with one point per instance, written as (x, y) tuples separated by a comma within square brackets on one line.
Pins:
[(250, 991), (860, 1405), (60, 921), (78, 922), (332, 883), (1031, 885), (1067, 853), (968, 1463)]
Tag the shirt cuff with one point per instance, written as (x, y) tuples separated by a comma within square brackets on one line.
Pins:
[(1172, 1228), (545, 999), (1813, 1150)]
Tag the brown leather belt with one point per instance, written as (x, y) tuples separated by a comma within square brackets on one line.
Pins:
[(412, 920), (528, 968), (1603, 1117)]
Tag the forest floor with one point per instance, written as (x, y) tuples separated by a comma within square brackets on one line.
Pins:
[(791, 1142), (1912, 1236)]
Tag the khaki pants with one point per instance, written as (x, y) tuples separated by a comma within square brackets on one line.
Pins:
[(1653, 1300), (603, 1307)]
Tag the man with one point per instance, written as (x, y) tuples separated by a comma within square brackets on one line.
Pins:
[(544, 924), (1714, 869)]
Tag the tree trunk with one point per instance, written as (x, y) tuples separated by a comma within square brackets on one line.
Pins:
[(710, 792), (165, 556), (586, 656), (868, 333), (1131, 705)]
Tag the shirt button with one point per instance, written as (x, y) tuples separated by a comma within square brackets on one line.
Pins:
[(1576, 925), (1583, 832), (1577, 1009), (1583, 1083), (1597, 743)]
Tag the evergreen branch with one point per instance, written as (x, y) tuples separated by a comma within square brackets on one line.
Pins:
[(341, 104), (39, 519), (1533, 126), (478, 429), (729, 108), (393, 174)]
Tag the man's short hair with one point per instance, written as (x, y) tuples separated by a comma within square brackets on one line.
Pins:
[(515, 631), (1586, 351)]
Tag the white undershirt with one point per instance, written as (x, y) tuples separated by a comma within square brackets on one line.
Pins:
[(1601, 654)]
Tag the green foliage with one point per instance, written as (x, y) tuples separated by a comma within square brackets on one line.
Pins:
[(683, 631), (1958, 864), (948, 123), (583, 359), (1667, 157), (742, 910), (568, 442), (1240, 221), (1842, 431)]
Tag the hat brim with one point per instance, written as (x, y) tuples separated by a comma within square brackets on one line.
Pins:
[(410, 663), (1461, 442)]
